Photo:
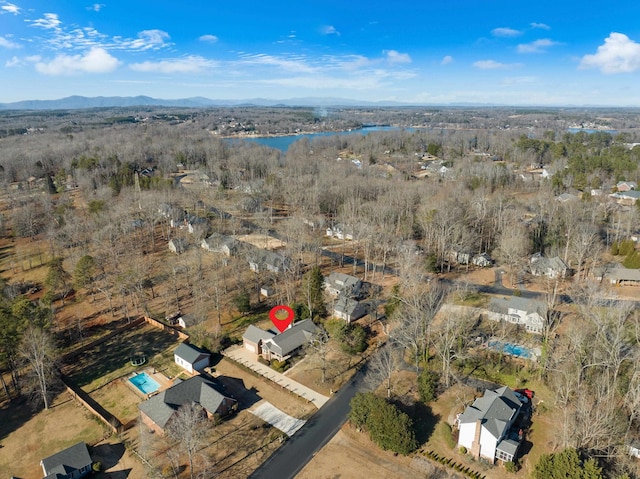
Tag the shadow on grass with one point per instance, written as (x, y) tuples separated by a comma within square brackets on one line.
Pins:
[(424, 420), (14, 414), (116, 352)]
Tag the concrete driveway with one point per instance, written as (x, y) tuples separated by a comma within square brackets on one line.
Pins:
[(277, 418), (241, 355)]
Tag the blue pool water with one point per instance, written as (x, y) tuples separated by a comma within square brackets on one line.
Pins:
[(145, 383), (511, 349)]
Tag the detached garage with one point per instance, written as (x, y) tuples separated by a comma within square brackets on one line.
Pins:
[(191, 358)]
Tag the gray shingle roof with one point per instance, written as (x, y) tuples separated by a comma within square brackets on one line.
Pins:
[(190, 353), (292, 338), (509, 446), (68, 460), (495, 409), (346, 305), (502, 305), (195, 390), (255, 334), (342, 282)]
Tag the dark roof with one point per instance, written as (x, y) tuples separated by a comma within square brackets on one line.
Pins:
[(292, 338), (68, 460), (255, 334), (196, 390), (190, 353)]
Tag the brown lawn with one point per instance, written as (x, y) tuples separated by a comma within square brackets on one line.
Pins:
[(26, 438)]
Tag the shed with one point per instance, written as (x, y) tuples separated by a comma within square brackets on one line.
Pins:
[(191, 358)]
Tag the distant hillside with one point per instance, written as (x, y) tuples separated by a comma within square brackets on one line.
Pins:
[(82, 102)]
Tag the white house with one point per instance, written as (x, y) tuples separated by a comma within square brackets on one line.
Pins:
[(73, 462), (178, 245), (191, 358), (521, 311), (486, 426)]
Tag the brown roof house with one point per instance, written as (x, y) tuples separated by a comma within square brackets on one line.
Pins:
[(159, 410), (71, 463)]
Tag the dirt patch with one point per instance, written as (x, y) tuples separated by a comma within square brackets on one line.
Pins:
[(351, 454), (262, 241)]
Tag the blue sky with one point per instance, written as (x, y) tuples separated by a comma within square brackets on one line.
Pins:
[(483, 51)]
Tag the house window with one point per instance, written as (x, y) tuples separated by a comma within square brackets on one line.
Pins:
[(503, 456)]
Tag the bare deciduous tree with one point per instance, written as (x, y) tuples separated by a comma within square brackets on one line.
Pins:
[(39, 354)]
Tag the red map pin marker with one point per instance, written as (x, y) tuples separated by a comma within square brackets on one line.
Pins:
[(281, 317)]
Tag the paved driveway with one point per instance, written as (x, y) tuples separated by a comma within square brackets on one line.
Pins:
[(278, 419), (247, 358)]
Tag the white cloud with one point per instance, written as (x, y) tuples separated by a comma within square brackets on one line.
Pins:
[(13, 62), (619, 54), (50, 21), (542, 26), (511, 81), (96, 7), (6, 43), (394, 56), (208, 38), (96, 60), (10, 8), (446, 60), (537, 46), (505, 32), (293, 64), (494, 65), (329, 30), (148, 39), (191, 64)]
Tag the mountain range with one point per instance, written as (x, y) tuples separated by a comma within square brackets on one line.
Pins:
[(80, 102)]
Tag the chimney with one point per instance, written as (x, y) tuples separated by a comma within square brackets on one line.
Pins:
[(475, 445)]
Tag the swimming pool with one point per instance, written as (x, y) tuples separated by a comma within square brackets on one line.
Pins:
[(145, 383), (511, 349)]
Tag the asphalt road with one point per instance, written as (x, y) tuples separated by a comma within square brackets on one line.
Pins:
[(294, 454)]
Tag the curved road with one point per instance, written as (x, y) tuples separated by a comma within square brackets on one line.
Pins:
[(294, 454)]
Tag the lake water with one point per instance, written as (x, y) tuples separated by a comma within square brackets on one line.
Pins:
[(589, 130), (283, 143)]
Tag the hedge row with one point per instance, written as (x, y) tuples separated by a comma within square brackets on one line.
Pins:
[(445, 461)]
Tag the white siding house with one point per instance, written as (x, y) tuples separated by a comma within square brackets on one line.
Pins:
[(191, 358)]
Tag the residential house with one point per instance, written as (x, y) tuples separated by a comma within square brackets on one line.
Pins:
[(158, 411), (340, 232), (626, 186), (483, 260), (624, 276), (267, 291), (626, 197), (174, 214), (565, 197), (190, 358), (197, 225), (217, 243), (71, 463), (264, 260), (286, 344), (550, 267), (178, 245), (340, 284), (521, 311), (459, 255), (348, 309), (486, 427), (254, 337)]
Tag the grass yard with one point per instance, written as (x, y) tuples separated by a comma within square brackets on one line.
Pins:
[(118, 398), (110, 360), (26, 438)]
